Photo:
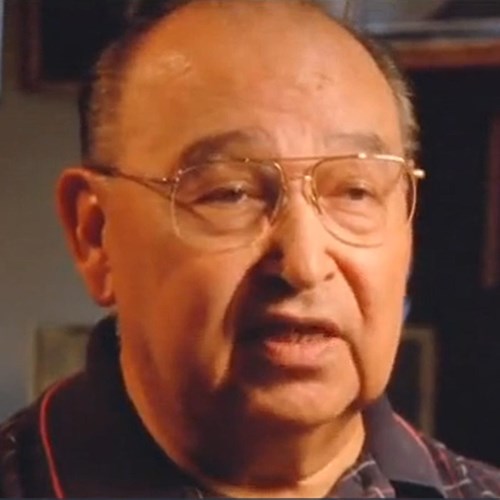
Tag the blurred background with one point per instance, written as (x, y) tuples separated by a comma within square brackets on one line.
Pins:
[(448, 373)]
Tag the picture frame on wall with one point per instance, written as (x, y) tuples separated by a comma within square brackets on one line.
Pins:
[(491, 253), (413, 382), (58, 351), (1, 42), (62, 39)]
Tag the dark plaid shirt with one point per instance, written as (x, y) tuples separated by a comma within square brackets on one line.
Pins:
[(83, 439)]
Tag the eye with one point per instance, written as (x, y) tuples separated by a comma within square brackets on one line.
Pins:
[(352, 190), (225, 194), (351, 198), (357, 193)]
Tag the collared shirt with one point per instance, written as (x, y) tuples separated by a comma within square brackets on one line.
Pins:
[(84, 439)]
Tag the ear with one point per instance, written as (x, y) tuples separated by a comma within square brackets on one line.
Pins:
[(79, 203)]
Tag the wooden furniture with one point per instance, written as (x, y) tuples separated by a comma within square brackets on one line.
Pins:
[(448, 53)]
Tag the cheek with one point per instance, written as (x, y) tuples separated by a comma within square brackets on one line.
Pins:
[(191, 305), (159, 278), (381, 288), (173, 301)]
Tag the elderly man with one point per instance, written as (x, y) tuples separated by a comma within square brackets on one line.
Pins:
[(243, 208)]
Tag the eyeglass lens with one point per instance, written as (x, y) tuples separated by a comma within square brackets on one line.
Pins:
[(229, 203)]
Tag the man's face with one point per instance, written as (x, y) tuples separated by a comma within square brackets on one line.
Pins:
[(260, 86)]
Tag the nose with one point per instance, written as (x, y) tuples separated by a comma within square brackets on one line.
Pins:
[(301, 252)]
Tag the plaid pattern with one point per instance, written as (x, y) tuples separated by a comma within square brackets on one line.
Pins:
[(71, 444), (460, 478), (465, 478)]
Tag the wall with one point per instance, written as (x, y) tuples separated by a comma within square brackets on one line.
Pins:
[(38, 285)]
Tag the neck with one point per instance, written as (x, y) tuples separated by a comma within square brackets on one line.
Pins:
[(267, 460), (241, 457), (290, 463)]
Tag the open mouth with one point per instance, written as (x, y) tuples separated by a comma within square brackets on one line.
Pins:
[(288, 333), (290, 330), (291, 342)]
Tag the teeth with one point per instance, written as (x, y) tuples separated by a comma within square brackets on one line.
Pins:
[(300, 336), (289, 333)]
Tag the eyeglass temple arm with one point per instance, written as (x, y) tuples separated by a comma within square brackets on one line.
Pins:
[(102, 169), (110, 171)]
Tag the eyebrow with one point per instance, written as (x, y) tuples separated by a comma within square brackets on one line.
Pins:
[(213, 145), (210, 146)]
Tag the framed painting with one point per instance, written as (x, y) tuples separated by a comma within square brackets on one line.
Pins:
[(414, 378), (491, 257), (62, 38), (1, 41), (58, 351)]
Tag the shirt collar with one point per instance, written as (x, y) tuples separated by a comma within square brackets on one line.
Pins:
[(398, 450)]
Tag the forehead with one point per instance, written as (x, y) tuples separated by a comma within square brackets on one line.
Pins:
[(278, 69)]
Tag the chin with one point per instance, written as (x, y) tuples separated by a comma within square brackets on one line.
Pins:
[(299, 404)]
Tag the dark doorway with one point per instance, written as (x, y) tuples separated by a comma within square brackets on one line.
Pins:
[(456, 110)]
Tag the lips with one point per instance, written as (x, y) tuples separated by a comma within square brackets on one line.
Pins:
[(294, 328), (295, 336), (293, 342)]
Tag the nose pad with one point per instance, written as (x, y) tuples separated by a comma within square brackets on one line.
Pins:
[(310, 194), (299, 252)]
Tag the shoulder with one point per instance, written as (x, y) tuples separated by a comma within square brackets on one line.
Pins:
[(22, 460), (463, 477), (12, 436)]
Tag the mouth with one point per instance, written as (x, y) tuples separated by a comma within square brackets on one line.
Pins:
[(293, 342)]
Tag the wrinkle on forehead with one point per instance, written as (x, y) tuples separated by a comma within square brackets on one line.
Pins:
[(250, 34), (253, 139), (209, 69)]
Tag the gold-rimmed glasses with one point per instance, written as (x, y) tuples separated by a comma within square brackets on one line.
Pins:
[(222, 204)]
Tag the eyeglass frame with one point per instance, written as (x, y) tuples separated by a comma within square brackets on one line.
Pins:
[(159, 184)]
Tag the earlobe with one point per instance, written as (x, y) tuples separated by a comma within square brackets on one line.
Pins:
[(84, 222)]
